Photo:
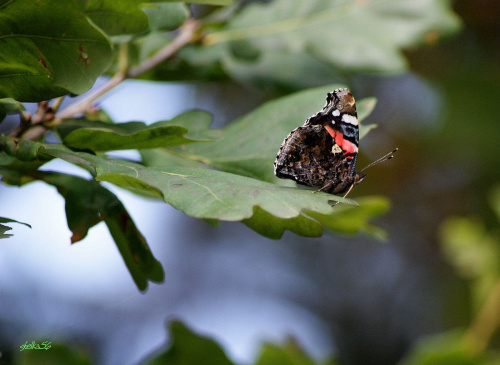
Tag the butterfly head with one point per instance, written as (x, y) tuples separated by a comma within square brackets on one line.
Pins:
[(342, 100)]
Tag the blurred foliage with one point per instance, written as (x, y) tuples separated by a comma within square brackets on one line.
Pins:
[(474, 252), (184, 347), (182, 343), (447, 349), (323, 40), (52, 354), (289, 353), (208, 352)]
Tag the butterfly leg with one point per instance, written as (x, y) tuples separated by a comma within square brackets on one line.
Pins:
[(330, 184), (323, 188), (348, 191)]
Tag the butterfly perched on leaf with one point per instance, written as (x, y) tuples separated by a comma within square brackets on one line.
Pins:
[(322, 153)]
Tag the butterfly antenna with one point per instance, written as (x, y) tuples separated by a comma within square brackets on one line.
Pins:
[(381, 159)]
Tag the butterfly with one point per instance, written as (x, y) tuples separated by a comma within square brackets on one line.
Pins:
[(322, 153)]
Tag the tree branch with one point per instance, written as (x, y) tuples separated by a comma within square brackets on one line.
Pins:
[(82, 105), (44, 113), (188, 34)]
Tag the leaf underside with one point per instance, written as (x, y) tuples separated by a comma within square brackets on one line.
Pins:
[(87, 204), (272, 45)]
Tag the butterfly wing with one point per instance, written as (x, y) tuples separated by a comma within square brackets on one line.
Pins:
[(323, 152), (340, 118), (310, 157)]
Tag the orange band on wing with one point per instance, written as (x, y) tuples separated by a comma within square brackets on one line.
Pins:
[(330, 130), (347, 146)]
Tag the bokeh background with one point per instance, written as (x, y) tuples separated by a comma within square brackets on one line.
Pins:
[(357, 297)]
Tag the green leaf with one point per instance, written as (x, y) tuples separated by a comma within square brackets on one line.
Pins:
[(368, 36), (42, 58), (250, 143), (447, 349), (205, 193), (473, 252), (273, 227), (85, 201), (53, 354), (9, 106), (132, 17), (189, 348), (87, 204), (351, 220), (163, 158), (10, 165), (165, 16), (204, 2), (495, 200), (290, 353), (142, 48), (257, 71), (193, 62), (189, 127), (22, 150), (365, 107), (8, 220), (4, 228), (125, 17), (117, 17)]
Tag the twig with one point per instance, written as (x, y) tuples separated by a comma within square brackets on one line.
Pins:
[(44, 113), (82, 105), (187, 34)]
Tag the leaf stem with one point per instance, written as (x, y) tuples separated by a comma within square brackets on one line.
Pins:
[(187, 34)]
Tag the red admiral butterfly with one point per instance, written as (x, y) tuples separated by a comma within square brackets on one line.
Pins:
[(322, 153)]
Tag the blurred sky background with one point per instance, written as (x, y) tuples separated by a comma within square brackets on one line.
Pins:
[(334, 294)]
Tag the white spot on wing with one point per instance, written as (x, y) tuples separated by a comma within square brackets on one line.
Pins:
[(336, 113), (336, 149), (350, 119)]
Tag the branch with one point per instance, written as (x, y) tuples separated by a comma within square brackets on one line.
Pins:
[(82, 105), (188, 34), (44, 113)]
